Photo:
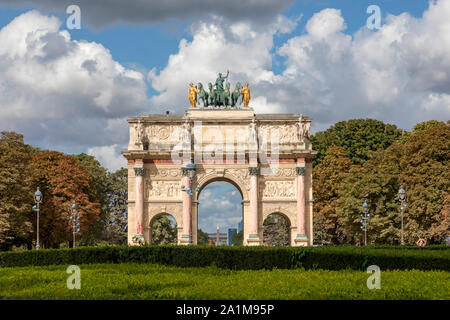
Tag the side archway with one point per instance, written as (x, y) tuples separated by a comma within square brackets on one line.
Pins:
[(277, 230), (162, 229)]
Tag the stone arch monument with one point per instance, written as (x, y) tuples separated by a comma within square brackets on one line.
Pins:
[(267, 157)]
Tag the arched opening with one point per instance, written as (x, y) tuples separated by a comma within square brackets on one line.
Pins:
[(163, 229), (220, 213), (276, 230)]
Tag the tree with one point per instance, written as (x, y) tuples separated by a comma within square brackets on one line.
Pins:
[(163, 232), (357, 136), (237, 238), (328, 177), (99, 191), (202, 237), (16, 191), (116, 222), (420, 162), (63, 180), (276, 230)]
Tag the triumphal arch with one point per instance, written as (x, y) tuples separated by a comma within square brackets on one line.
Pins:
[(267, 157)]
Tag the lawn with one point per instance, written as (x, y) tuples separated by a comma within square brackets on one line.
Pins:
[(152, 281)]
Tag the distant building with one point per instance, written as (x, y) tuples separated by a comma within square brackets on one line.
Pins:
[(240, 226), (220, 239), (231, 231)]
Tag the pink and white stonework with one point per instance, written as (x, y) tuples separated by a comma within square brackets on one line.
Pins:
[(275, 178)]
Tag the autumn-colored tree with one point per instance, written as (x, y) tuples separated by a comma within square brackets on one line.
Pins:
[(16, 191), (328, 177), (99, 191), (357, 136), (425, 173), (63, 180), (420, 162)]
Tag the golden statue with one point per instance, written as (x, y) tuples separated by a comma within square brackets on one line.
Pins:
[(193, 92), (245, 92)]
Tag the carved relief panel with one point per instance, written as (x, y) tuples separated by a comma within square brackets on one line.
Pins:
[(278, 189), (163, 190)]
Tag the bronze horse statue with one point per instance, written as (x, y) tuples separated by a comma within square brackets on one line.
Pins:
[(211, 95), (203, 95)]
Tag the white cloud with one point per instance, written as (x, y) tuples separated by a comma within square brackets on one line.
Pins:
[(64, 94), (399, 74), (109, 156)]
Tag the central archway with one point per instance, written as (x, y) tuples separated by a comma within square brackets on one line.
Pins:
[(219, 203)]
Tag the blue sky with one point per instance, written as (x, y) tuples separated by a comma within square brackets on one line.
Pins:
[(72, 90)]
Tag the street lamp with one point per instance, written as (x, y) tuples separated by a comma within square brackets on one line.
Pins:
[(75, 219), (402, 199), (365, 217), (189, 172), (38, 200), (189, 191)]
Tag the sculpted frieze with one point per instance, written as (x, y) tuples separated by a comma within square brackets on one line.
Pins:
[(163, 189), (277, 189)]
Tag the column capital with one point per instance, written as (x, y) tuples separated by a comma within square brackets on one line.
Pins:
[(253, 171), (300, 171), (139, 172)]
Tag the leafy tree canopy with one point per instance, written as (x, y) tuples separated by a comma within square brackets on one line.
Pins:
[(357, 136)]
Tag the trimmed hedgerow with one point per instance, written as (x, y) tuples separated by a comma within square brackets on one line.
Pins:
[(242, 258)]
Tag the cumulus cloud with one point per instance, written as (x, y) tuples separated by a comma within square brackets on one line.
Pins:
[(64, 94), (398, 74), (109, 12), (109, 156)]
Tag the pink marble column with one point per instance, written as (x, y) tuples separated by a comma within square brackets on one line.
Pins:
[(187, 207), (253, 235), (301, 205), (139, 204)]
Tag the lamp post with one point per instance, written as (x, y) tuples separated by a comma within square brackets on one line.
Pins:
[(364, 220), (38, 200), (75, 219), (188, 175), (402, 199)]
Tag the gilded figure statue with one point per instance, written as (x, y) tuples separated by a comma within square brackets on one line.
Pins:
[(245, 92), (193, 92)]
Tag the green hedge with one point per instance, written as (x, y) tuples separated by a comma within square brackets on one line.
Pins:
[(242, 258)]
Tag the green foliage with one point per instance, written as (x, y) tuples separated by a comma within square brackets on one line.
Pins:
[(357, 136), (117, 217), (202, 237), (153, 281), (276, 231), (16, 191), (421, 163), (163, 232), (237, 238), (99, 192), (242, 258), (327, 184)]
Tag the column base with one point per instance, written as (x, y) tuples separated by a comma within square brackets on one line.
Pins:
[(253, 240), (138, 239), (301, 240), (185, 239)]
